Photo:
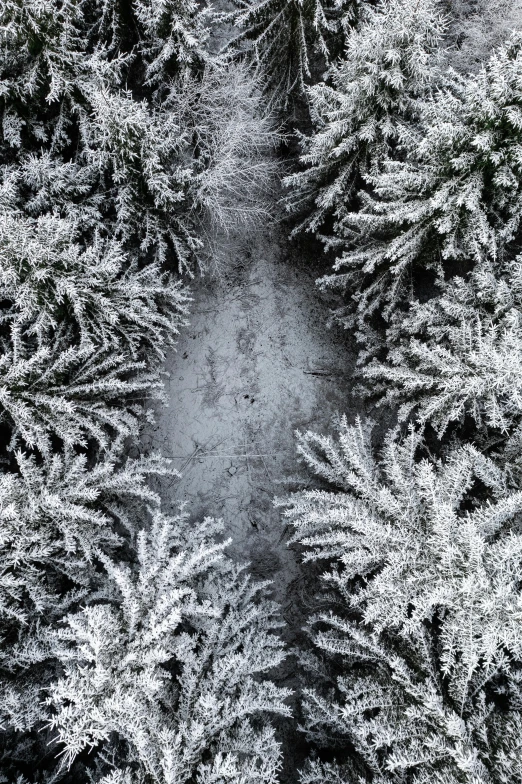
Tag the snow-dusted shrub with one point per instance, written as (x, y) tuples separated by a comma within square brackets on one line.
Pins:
[(173, 665), (389, 64), (424, 634), (454, 197), (477, 27), (291, 40)]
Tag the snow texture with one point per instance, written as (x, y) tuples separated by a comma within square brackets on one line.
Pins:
[(254, 364)]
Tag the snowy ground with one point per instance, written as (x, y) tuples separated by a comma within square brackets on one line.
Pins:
[(255, 363)]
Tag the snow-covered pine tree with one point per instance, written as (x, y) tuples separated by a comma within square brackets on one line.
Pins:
[(46, 278), (55, 53), (65, 92), (82, 333), (106, 168), (291, 41), (453, 198), (76, 395), (39, 184), (188, 637), (172, 37), (169, 676), (389, 64), (52, 61), (459, 353), (57, 515), (424, 632)]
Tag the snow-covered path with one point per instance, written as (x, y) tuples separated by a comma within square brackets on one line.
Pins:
[(255, 363)]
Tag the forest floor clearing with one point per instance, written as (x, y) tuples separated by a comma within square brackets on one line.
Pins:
[(255, 363)]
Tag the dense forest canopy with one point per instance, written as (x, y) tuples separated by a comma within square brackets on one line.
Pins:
[(134, 648)]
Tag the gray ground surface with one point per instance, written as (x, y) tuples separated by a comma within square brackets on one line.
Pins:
[(255, 363)]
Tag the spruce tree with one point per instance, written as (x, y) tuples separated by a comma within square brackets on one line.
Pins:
[(172, 665), (371, 95), (458, 354), (454, 196), (47, 278), (82, 334), (98, 91), (291, 41), (162, 664), (424, 634), (57, 516)]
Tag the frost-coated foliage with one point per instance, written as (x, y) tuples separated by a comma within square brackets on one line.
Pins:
[(292, 39), (425, 633), (81, 331), (72, 394), (57, 517), (234, 138), (47, 278), (170, 659), (171, 666), (477, 27), (389, 64), (454, 196), (173, 34), (459, 353), (132, 648), (95, 89), (56, 49)]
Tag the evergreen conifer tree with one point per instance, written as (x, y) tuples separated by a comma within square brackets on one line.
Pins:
[(172, 666), (425, 560), (57, 516), (454, 197), (46, 278), (292, 40), (97, 90), (79, 332), (164, 665), (458, 354), (373, 92)]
